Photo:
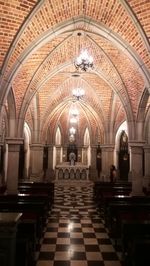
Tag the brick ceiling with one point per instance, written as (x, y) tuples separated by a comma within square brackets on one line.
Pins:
[(39, 42)]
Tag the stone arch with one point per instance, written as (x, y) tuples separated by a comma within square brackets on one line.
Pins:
[(69, 26), (12, 120), (86, 137), (117, 154), (27, 142), (58, 136), (141, 117), (86, 153), (147, 127)]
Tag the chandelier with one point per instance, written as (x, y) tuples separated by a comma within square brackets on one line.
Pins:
[(72, 130), (73, 120), (84, 61), (74, 112), (78, 93)]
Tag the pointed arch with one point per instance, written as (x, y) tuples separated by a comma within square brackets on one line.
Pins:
[(122, 154), (86, 137), (58, 136)]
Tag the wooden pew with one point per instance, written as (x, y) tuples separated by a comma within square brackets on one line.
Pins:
[(28, 187), (102, 189), (34, 200), (135, 238), (126, 211), (34, 209)]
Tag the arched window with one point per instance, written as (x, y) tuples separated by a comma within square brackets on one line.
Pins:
[(86, 137), (58, 137), (86, 154), (123, 156)]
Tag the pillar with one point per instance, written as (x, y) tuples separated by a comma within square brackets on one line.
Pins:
[(147, 166), (84, 154), (13, 164), (58, 154), (26, 160), (50, 172), (1, 165), (36, 162), (136, 167), (93, 170), (107, 160)]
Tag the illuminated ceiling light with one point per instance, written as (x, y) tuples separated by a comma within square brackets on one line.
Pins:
[(72, 130), (73, 120), (78, 93), (72, 138), (84, 61), (74, 112)]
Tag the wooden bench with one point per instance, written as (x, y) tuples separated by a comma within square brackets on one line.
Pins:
[(120, 211), (30, 229), (135, 238)]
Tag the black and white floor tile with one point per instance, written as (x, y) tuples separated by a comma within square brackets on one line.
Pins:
[(75, 234)]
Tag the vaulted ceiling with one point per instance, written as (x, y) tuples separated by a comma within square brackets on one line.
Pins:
[(39, 42)]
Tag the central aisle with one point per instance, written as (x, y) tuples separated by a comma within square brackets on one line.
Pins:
[(75, 234)]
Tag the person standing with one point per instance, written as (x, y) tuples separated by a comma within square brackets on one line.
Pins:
[(113, 173)]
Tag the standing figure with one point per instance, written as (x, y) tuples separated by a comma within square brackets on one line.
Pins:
[(113, 173), (72, 158)]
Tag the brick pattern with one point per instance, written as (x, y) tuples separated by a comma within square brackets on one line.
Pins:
[(110, 61), (110, 13), (13, 13), (141, 9)]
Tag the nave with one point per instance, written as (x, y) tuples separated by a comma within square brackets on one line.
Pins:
[(75, 234)]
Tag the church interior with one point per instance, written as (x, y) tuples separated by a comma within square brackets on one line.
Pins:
[(74, 104)]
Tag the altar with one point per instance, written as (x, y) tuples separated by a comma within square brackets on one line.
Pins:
[(66, 171)]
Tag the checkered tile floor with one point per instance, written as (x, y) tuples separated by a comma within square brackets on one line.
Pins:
[(75, 234)]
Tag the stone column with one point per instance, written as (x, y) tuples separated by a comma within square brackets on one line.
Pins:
[(136, 167), (13, 164), (58, 154), (147, 166), (50, 171), (1, 166), (84, 154), (26, 160), (107, 160), (93, 170), (37, 162)]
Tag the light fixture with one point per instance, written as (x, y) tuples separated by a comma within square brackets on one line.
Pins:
[(78, 93), (74, 112), (72, 130), (73, 120), (72, 138), (84, 61)]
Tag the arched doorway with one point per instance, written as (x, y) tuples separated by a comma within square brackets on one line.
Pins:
[(123, 156)]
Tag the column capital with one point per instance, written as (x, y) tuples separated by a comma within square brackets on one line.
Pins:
[(14, 141), (58, 145), (50, 146), (86, 146), (36, 146), (14, 144), (92, 146), (108, 147), (146, 148), (136, 143)]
